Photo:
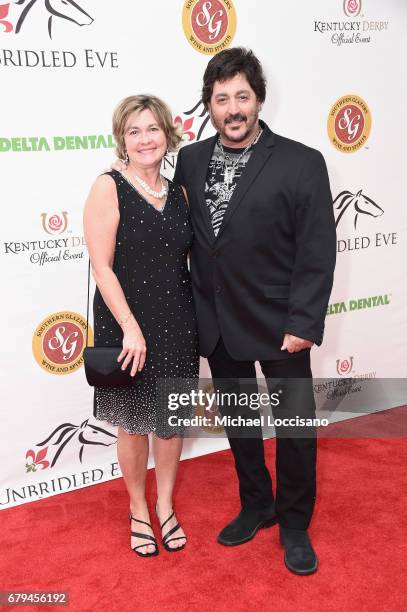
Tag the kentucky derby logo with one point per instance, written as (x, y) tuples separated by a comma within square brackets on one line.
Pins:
[(352, 8), (355, 204), (53, 9), (349, 124), (55, 223), (80, 436), (58, 342), (344, 366), (195, 122), (209, 25)]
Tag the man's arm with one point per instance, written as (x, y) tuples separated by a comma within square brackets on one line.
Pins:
[(312, 277)]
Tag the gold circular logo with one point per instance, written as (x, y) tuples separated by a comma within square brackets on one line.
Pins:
[(209, 25), (58, 342), (349, 123)]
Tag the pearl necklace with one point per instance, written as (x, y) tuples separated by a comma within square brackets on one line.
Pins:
[(155, 194)]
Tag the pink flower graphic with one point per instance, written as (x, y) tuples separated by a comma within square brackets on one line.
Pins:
[(55, 223)]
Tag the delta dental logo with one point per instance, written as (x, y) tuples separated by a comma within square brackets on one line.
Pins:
[(58, 342), (50, 250), (354, 30), (83, 436), (349, 123), (354, 210), (359, 304), (39, 18), (52, 9), (34, 144), (209, 26)]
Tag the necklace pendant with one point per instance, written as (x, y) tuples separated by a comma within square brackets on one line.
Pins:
[(229, 175)]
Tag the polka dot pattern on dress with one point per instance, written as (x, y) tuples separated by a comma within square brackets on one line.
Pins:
[(151, 264)]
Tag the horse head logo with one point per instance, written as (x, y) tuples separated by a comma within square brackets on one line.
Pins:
[(63, 9), (358, 203), (85, 435)]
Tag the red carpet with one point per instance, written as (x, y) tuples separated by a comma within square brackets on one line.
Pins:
[(79, 542)]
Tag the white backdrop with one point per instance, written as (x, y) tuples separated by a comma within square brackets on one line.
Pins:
[(58, 92)]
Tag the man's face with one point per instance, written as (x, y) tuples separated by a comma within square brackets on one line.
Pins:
[(234, 111)]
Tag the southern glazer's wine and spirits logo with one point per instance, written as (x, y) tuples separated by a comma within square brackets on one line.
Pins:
[(50, 10), (41, 19), (81, 437), (356, 29), (354, 211), (56, 223), (349, 123), (58, 342), (209, 25)]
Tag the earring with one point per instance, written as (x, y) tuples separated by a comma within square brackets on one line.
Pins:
[(126, 159)]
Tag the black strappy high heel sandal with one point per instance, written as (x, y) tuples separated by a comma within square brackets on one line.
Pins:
[(147, 536), (167, 537)]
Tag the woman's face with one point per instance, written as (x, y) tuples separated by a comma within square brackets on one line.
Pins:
[(144, 139)]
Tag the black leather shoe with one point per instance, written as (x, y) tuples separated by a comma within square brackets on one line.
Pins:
[(300, 557), (245, 526)]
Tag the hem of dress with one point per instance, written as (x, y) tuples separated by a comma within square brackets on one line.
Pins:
[(140, 433)]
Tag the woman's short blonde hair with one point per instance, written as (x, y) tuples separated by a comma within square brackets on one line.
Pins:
[(136, 104)]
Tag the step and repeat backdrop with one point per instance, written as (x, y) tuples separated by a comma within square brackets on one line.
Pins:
[(336, 81)]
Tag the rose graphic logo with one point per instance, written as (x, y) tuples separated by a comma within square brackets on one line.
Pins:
[(344, 366), (352, 8), (209, 25), (358, 203), (36, 460), (55, 223), (54, 9)]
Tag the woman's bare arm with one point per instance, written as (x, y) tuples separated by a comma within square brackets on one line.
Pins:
[(101, 219)]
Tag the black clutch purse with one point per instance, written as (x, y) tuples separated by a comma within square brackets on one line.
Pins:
[(101, 366), (103, 370)]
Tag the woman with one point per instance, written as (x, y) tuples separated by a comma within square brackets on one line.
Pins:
[(138, 233)]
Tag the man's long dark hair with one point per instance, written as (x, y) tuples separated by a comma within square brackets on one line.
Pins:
[(227, 64)]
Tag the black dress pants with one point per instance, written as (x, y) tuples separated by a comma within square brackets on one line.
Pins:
[(296, 447)]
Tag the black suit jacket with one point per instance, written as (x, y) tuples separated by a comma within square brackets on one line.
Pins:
[(269, 271)]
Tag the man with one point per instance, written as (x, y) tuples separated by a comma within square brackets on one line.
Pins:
[(262, 269)]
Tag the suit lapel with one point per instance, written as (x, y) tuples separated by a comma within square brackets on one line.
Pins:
[(202, 164), (261, 153)]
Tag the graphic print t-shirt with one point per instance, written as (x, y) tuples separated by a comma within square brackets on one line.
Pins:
[(217, 193)]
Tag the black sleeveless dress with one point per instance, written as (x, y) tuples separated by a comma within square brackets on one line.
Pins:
[(151, 264)]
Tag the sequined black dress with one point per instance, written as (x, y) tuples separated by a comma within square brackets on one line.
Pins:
[(151, 264)]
